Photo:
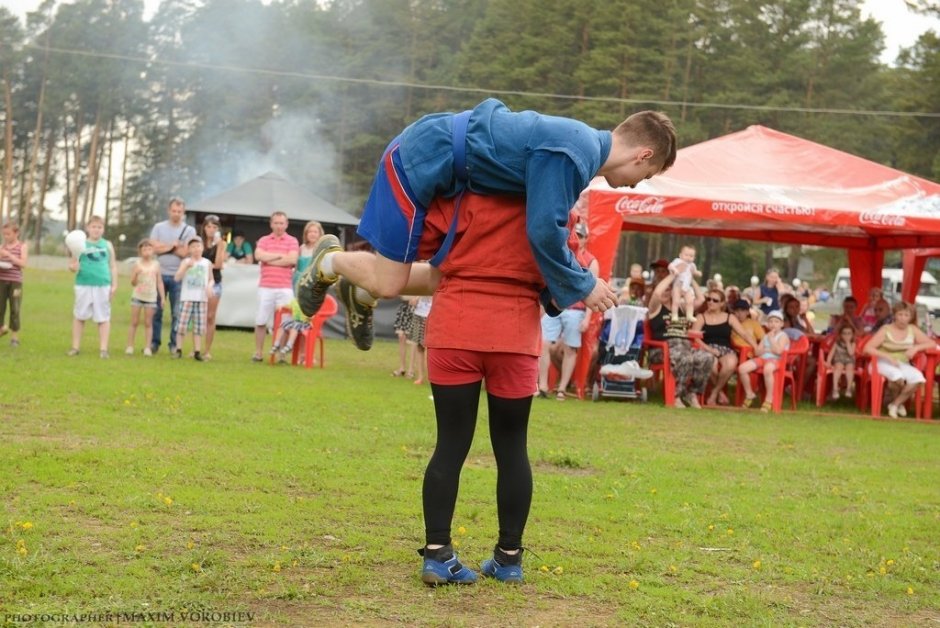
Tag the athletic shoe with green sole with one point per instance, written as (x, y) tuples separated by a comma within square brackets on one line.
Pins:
[(358, 315), (312, 285)]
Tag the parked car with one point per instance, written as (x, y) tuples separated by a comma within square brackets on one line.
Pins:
[(928, 295)]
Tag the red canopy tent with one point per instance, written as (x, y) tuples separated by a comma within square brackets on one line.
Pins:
[(761, 184)]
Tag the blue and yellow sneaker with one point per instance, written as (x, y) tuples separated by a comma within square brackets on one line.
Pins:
[(503, 567), (442, 567), (312, 286)]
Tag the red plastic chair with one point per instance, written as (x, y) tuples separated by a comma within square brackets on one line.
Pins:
[(824, 381), (306, 340), (792, 371), (878, 382), (661, 371)]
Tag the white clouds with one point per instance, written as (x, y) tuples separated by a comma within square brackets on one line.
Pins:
[(900, 25)]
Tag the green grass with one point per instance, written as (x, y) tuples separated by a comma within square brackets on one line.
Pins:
[(135, 485)]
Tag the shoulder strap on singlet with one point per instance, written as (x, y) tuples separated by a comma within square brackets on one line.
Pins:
[(459, 143)]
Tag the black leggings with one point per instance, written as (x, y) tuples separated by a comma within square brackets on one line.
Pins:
[(456, 410)]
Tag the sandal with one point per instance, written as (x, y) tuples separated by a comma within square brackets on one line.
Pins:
[(542, 394), (766, 406), (398, 372), (748, 401), (560, 395)]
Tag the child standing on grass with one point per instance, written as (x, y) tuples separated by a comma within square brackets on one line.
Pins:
[(95, 285), (291, 326), (841, 360), (195, 273), (772, 347), (148, 287), (419, 320), (402, 325), (13, 257)]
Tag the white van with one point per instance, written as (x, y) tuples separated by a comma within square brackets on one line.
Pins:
[(928, 295)]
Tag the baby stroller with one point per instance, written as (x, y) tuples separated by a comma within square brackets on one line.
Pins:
[(619, 373)]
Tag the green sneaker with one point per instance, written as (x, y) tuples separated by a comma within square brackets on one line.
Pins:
[(358, 315), (312, 285)]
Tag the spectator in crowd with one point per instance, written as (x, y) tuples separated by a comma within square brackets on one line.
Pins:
[(402, 326), (147, 291), (882, 314), (214, 251), (634, 293), (732, 296), (717, 327), (95, 284), (239, 249), (419, 321), (195, 277), (848, 315), (747, 318), (690, 367), (659, 270), (770, 291), (277, 255), (841, 359), (752, 292), (169, 240), (313, 231), (894, 346), (564, 331), (867, 313), (766, 361), (13, 258), (793, 316), (291, 327)]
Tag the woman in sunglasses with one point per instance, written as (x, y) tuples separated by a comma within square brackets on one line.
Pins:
[(690, 366), (717, 325)]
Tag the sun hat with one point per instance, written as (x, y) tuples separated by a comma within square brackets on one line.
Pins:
[(775, 314)]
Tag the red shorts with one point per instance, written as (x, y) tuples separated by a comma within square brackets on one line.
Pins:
[(507, 375)]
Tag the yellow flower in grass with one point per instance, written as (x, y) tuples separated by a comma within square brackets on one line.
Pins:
[(558, 570), (168, 500), (756, 564), (634, 584), (27, 525), (140, 548), (652, 491), (730, 531), (910, 591), (673, 569), (544, 569), (890, 562), (21, 547), (883, 570), (635, 545), (711, 527), (277, 567), (190, 545), (196, 567), (461, 530), (455, 542)]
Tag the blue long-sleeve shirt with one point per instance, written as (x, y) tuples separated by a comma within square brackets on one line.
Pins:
[(547, 158)]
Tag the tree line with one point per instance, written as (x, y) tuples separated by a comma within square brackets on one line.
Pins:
[(119, 112)]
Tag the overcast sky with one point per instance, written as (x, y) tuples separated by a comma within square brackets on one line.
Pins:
[(900, 25)]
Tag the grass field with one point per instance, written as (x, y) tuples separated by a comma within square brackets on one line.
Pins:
[(139, 486)]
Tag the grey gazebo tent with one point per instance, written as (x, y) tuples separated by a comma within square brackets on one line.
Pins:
[(262, 196)]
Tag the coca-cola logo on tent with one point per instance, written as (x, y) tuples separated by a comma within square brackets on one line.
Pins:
[(881, 220), (635, 205)]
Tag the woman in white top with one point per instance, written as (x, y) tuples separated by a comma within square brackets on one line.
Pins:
[(894, 346)]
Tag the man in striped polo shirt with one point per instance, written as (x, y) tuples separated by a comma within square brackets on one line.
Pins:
[(276, 253)]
